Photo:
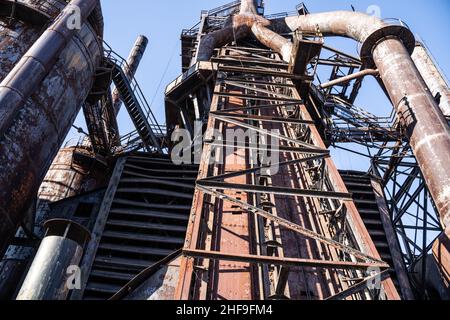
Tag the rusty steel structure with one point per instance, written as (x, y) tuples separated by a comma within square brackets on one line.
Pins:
[(252, 206), (33, 109)]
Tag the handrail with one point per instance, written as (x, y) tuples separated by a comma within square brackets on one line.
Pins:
[(120, 62)]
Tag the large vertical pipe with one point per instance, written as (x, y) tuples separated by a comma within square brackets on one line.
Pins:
[(441, 255), (420, 116), (31, 70), (39, 100), (49, 274), (389, 47), (433, 76), (133, 61)]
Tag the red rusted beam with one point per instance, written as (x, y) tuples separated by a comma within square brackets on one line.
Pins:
[(292, 262)]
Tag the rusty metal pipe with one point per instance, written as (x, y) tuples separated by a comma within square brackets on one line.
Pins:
[(354, 25), (248, 7), (389, 48), (346, 79), (133, 61), (246, 23), (273, 40), (29, 72), (433, 76), (40, 98), (425, 125)]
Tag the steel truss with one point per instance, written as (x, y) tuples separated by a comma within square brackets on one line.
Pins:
[(413, 213), (258, 234)]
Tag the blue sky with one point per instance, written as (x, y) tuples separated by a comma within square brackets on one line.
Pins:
[(162, 22)]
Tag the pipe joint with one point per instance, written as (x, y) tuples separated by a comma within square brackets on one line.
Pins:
[(389, 31)]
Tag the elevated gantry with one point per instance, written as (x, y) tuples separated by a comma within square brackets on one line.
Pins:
[(141, 227)]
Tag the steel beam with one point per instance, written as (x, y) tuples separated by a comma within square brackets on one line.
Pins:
[(290, 262)]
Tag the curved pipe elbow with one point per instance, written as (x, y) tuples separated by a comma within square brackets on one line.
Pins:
[(361, 27), (349, 24), (273, 40), (212, 41)]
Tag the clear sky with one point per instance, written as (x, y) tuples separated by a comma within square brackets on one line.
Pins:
[(162, 22)]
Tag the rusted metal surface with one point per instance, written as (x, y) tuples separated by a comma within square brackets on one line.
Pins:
[(237, 27), (48, 276), (161, 286), (421, 118), (389, 48), (18, 85), (133, 61), (358, 26), (217, 237), (69, 176), (432, 76), (157, 282), (441, 254), (33, 131)]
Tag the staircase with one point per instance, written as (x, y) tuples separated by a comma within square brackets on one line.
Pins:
[(147, 221), (359, 184), (133, 104)]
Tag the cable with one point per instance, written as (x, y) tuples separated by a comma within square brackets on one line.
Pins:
[(164, 74)]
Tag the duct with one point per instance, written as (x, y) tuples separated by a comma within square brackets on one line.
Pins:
[(346, 79), (133, 61), (433, 77), (39, 99), (389, 47), (247, 22), (56, 262), (17, 87)]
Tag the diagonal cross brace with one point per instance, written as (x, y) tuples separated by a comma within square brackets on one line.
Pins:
[(290, 225)]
